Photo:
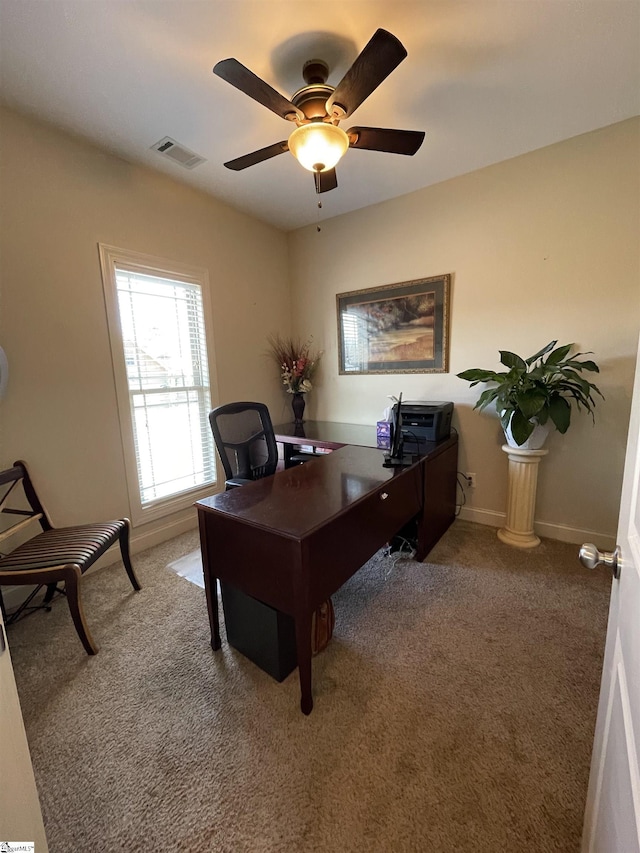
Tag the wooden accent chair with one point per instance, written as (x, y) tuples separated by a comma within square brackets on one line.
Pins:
[(53, 555)]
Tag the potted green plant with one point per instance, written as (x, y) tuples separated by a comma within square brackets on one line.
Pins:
[(536, 391)]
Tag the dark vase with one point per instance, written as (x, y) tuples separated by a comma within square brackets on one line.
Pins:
[(297, 404)]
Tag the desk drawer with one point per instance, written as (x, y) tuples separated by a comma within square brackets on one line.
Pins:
[(392, 505), (351, 539)]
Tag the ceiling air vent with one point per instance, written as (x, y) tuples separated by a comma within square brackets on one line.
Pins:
[(178, 153)]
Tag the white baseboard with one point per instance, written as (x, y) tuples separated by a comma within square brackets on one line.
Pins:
[(561, 532), (483, 516), (143, 540)]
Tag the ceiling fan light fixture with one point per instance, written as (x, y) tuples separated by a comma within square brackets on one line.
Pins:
[(318, 146)]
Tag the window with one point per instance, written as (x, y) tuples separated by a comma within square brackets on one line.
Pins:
[(156, 312)]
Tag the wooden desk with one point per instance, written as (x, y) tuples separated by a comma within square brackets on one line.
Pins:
[(326, 434), (292, 540)]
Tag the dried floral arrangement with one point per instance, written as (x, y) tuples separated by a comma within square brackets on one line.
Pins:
[(297, 362)]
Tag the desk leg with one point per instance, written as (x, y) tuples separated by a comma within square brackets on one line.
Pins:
[(302, 616), (303, 650), (210, 583)]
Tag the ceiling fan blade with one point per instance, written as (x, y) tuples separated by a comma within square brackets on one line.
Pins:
[(325, 181), (384, 139), (234, 72), (257, 156), (378, 58)]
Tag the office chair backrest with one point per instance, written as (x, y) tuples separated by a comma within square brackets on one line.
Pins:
[(244, 436)]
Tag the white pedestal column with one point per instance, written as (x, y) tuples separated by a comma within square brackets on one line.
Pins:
[(521, 499)]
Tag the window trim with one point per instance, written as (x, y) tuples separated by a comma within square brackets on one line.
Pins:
[(112, 257)]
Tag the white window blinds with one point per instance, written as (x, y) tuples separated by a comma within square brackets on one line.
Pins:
[(159, 345), (166, 359)]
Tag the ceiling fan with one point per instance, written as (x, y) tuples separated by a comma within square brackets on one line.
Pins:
[(317, 109)]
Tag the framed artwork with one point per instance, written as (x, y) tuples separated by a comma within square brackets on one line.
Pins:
[(399, 328)]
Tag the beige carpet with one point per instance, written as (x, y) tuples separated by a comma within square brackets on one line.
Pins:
[(454, 711)]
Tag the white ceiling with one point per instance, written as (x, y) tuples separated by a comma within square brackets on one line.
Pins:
[(486, 79)]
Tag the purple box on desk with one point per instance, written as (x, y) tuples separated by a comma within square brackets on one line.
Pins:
[(383, 432)]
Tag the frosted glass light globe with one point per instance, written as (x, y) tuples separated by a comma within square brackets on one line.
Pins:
[(318, 146)]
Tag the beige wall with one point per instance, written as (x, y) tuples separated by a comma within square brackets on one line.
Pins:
[(59, 198), (541, 247)]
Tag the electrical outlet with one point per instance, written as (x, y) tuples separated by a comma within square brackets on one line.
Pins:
[(471, 480)]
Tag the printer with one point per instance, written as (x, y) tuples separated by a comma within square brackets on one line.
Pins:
[(423, 421)]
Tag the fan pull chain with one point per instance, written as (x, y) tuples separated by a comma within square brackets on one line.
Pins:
[(318, 228)]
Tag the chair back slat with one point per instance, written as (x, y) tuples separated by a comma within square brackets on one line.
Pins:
[(12, 475), (19, 525), (11, 479), (7, 494), (34, 501)]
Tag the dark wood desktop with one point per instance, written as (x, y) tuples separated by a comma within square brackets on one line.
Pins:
[(292, 540), (326, 434)]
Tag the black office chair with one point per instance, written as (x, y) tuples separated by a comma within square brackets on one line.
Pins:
[(244, 436), (246, 443)]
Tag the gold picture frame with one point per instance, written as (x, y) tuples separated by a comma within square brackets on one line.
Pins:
[(397, 328)]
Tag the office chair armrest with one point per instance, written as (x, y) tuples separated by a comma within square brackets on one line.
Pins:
[(234, 482)]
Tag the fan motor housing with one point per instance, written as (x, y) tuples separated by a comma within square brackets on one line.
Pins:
[(312, 100)]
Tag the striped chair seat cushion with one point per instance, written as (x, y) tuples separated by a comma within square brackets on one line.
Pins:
[(80, 545)]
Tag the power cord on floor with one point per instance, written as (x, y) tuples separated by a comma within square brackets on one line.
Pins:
[(402, 549)]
